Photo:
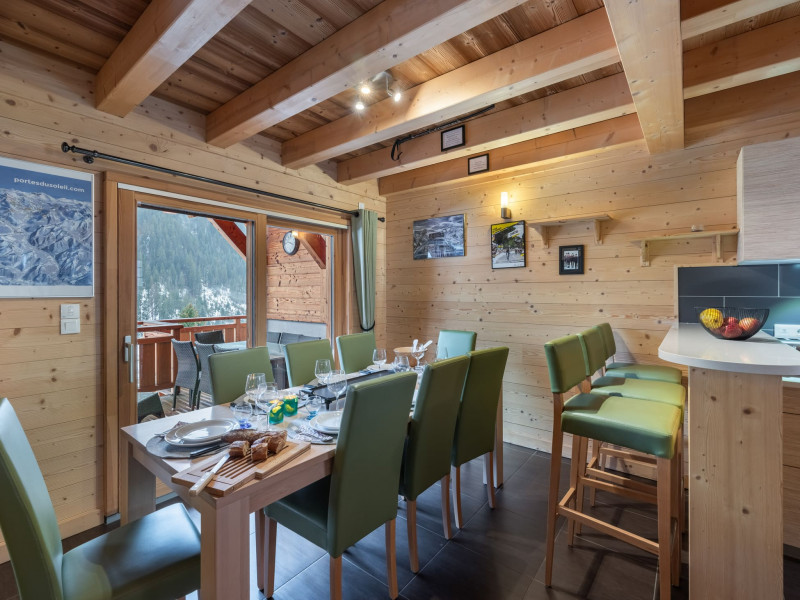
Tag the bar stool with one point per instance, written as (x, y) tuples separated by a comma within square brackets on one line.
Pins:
[(645, 426), (633, 370)]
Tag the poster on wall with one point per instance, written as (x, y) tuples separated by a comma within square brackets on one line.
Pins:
[(46, 231), (508, 245), (439, 237)]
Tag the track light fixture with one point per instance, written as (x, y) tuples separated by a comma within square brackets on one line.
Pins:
[(360, 104), (365, 88)]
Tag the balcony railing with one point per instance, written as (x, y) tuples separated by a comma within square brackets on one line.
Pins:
[(157, 361)]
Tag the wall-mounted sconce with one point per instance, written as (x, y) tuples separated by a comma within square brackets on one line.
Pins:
[(505, 212)]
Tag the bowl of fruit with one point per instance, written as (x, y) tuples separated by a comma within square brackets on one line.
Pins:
[(731, 323)]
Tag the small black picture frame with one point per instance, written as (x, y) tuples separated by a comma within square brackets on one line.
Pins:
[(478, 164), (570, 260), (453, 138)]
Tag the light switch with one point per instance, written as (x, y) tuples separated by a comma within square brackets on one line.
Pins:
[(70, 311), (70, 326)]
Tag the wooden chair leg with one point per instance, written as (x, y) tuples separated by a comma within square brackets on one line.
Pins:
[(261, 528), (336, 578), (681, 488), (411, 522), (552, 503), (175, 392), (664, 495), (488, 461), (391, 558), (596, 445), (456, 471), (675, 569), (268, 566), (574, 476), (445, 483)]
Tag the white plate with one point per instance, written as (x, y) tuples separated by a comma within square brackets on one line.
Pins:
[(200, 433), (328, 422)]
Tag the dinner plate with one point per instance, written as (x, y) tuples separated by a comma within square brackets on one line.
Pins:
[(200, 433), (328, 422)]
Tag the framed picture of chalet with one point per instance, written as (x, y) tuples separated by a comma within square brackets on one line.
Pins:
[(439, 237), (46, 231)]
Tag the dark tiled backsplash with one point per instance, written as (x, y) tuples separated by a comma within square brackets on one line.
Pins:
[(776, 287)]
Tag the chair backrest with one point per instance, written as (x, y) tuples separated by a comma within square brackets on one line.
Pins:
[(430, 433), (457, 343), (301, 358), (477, 414), (366, 468), (229, 371), (594, 350), (27, 518), (565, 363), (210, 337), (355, 350), (608, 339), (188, 367), (204, 351)]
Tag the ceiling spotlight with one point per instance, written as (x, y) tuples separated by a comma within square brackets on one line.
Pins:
[(365, 89), (360, 104), (396, 94)]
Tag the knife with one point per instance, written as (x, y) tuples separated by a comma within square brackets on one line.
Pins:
[(203, 481), (209, 450)]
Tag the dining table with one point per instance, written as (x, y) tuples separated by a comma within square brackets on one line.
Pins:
[(224, 520)]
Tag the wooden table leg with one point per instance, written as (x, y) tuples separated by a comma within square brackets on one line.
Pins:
[(138, 486), (498, 444), (225, 551), (735, 485)]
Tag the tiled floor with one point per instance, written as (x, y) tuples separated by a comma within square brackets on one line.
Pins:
[(499, 554)]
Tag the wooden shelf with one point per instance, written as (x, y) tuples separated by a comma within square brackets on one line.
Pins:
[(715, 236), (542, 225)]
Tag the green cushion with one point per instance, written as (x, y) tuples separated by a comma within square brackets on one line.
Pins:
[(608, 339), (361, 492), (355, 351), (430, 433), (658, 391), (565, 363), (477, 412), (593, 349), (301, 358), (639, 371), (649, 427), (229, 371), (155, 557), (457, 343)]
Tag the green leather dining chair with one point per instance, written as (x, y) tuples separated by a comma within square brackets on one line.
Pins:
[(156, 557), (634, 370), (426, 459), (360, 494), (301, 358), (477, 417), (453, 342), (229, 371), (355, 350)]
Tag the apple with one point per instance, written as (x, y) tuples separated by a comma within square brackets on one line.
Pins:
[(730, 321), (731, 331), (748, 324)]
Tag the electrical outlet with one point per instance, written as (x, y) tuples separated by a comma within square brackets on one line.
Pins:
[(70, 311), (69, 326)]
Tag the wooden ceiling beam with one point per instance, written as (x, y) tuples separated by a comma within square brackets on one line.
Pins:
[(315, 245), (648, 36), (752, 56), (391, 33), (594, 138), (168, 33), (569, 50), (590, 103), (232, 234), (702, 16)]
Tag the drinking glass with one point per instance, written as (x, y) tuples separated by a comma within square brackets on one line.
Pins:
[(254, 383), (401, 363), (418, 354), (313, 406), (242, 410), (322, 370), (264, 401), (379, 357), (337, 383)]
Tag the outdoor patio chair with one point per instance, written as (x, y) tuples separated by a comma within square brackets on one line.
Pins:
[(210, 337), (188, 371), (203, 352)]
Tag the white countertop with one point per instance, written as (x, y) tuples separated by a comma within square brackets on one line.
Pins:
[(689, 344)]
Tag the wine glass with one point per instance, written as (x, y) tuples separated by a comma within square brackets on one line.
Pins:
[(379, 357), (242, 410), (401, 363), (264, 401), (337, 383), (254, 383), (418, 354), (322, 370)]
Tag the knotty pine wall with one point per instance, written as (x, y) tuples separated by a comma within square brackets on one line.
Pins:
[(55, 382), (645, 195)]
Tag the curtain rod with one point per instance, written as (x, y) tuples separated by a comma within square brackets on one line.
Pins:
[(90, 155)]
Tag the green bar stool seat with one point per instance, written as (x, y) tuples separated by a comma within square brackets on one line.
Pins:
[(229, 371), (453, 342), (301, 358), (355, 350), (633, 370)]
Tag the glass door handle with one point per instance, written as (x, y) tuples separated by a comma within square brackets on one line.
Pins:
[(130, 358)]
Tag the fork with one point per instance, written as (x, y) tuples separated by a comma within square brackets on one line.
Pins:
[(306, 429)]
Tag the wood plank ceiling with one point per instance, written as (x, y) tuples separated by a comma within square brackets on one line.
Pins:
[(288, 69)]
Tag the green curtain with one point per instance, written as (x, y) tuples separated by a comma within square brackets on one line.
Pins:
[(364, 229)]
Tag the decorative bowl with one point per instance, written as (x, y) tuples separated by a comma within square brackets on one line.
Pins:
[(731, 323)]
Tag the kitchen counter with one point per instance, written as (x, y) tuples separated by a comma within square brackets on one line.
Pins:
[(735, 460)]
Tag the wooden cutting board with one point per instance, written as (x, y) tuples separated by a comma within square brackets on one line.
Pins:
[(238, 471)]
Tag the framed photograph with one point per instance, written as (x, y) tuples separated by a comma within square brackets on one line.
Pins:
[(478, 164), (439, 237), (46, 231), (508, 245), (570, 260), (453, 138)]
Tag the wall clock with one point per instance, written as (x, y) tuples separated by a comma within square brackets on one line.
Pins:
[(290, 244)]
